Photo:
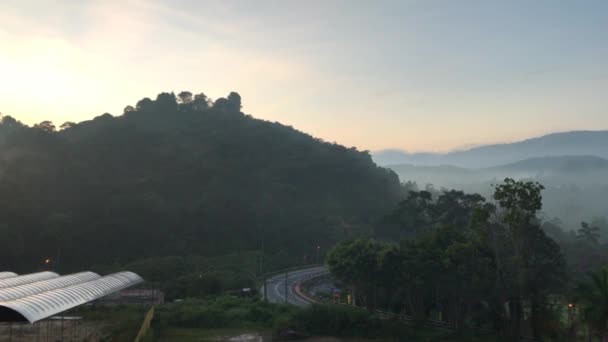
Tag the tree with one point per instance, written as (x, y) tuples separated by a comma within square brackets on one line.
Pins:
[(521, 200), (128, 109), (412, 216), (357, 263), (232, 104), (234, 99), (184, 97), (166, 103), (455, 207), (419, 213), (588, 234), (144, 105), (8, 124), (602, 224), (537, 264), (67, 125), (201, 102), (46, 126), (593, 298)]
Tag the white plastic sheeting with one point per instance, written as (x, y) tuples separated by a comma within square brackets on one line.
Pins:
[(16, 292), (42, 305), (27, 278), (4, 275)]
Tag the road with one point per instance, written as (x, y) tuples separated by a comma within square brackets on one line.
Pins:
[(276, 286)]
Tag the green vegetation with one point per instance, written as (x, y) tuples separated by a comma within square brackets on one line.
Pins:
[(229, 316), (575, 186), (592, 296), (465, 261), (200, 199), (179, 176), (119, 323), (196, 276)]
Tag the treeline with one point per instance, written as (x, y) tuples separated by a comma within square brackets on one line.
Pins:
[(474, 264), (178, 176)]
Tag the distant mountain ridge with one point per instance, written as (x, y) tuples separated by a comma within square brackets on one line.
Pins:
[(573, 143), (577, 169), (563, 164), (576, 186)]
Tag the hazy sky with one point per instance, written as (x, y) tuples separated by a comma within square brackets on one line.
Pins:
[(417, 75)]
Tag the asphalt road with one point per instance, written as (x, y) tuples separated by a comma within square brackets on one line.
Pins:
[(277, 291)]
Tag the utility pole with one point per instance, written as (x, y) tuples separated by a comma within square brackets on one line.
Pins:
[(262, 267), (286, 277), (265, 297)]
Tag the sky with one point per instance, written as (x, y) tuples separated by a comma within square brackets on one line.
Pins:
[(423, 75)]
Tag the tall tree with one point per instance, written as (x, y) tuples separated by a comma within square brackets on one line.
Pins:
[(46, 126), (593, 298), (588, 233), (201, 102), (234, 99), (538, 262), (67, 125), (357, 263), (184, 97)]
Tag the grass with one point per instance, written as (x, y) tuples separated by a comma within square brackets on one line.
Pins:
[(215, 319), (120, 322), (197, 334)]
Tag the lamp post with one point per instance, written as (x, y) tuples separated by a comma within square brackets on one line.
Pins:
[(47, 262)]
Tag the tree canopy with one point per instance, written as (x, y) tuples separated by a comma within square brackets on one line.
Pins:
[(179, 175)]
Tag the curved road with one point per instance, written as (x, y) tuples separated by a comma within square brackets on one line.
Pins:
[(277, 291)]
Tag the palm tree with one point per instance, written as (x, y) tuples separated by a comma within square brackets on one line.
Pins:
[(593, 297)]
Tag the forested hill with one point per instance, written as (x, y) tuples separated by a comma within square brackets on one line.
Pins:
[(178, 176)]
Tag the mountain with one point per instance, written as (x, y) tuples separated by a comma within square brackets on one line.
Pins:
[(581, 143), (179, 177), (540, 167), (555, 169)]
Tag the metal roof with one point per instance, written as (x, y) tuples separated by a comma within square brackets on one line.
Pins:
[(26, 279), (4, 275), (49, 298), (15, 292)]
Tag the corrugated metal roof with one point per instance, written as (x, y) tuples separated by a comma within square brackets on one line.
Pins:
[(50, 297), (15, 292), (4, 275), (26, 279)]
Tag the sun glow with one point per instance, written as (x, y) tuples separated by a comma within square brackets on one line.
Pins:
[(45, 75)]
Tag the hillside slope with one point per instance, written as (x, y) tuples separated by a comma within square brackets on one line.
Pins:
[(178, 179)]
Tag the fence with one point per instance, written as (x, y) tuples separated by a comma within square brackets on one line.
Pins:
[(145, 325), (303, 289)]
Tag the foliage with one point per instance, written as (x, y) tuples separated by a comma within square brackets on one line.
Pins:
[(593, 298), (465, 261), (419, 212), (338, 321), (203, 276), (180, 177), (320, 320), (358, 263), (222, 312), (589, 234)]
